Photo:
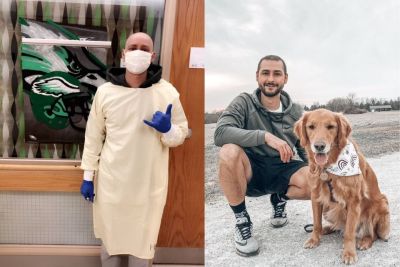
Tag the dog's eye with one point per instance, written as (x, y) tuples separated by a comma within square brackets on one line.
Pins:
[(330, 127), (311, 127)]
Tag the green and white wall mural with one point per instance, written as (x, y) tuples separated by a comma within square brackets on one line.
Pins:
[(59, 82), (46, 90)]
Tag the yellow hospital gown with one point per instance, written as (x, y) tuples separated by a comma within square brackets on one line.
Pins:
[(131, 162)]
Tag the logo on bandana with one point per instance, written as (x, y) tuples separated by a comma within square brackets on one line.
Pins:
[(342, 164), (342, 167)]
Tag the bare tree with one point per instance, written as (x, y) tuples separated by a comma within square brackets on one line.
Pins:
[(351, 100), (315, 105), (337, 104)]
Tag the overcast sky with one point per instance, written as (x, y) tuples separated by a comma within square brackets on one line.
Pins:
[(331, 48)]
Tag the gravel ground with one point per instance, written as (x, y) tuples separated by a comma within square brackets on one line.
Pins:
[(378, 135)]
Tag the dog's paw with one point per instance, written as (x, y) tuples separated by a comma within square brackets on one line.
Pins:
[(365, 243), (349, 257), (311, 243)]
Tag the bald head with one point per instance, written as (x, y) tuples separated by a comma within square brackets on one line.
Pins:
[(139, 40)]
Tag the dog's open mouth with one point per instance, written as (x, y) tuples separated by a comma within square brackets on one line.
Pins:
[(321, 158)]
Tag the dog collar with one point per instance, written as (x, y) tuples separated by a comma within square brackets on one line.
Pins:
[(323, 176), (347, 163)]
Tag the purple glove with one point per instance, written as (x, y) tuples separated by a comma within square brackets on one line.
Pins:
[(87, 190), (161, 121)]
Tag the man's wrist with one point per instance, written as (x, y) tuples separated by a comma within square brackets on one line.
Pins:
[(267, 136), (260, 137), (88, 175), (171, 132)]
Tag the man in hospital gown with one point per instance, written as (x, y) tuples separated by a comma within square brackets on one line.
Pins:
[(133, 121)]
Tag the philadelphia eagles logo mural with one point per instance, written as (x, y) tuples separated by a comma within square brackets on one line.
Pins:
[(59, 81)]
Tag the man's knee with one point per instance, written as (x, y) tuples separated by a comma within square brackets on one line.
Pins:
[(230, 154), (233, 160)]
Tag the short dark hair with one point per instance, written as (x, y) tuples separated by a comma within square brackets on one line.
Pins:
[(272, 57)]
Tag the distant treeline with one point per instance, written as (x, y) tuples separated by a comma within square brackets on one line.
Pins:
[(352, 105), (347, 105)]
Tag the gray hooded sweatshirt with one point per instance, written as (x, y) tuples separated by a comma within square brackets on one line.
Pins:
[(245, 122)]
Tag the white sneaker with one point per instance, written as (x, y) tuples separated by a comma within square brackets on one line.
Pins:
[(245, 244), (278, 217)]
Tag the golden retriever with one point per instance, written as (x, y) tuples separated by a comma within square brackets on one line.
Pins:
[(353, 204)]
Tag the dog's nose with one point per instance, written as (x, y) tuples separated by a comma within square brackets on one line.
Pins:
[(320, 146)]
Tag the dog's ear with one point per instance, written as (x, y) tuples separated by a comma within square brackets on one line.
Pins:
[(344, 130), (300, 130)]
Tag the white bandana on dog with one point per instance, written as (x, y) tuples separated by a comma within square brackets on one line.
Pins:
[(347, 163)]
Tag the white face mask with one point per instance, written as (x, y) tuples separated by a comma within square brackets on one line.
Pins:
[(137, 61)]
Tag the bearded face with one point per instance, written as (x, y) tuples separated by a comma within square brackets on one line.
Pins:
[(271, 77)]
